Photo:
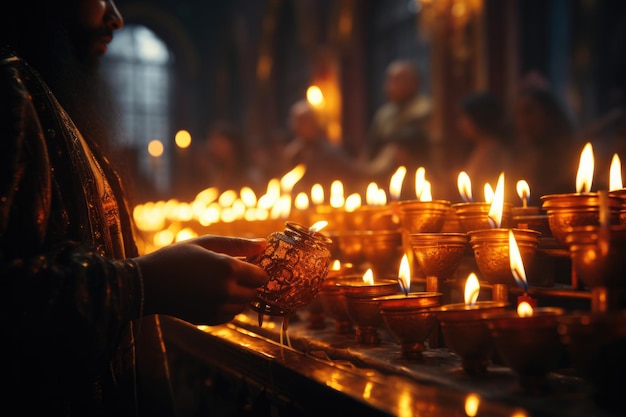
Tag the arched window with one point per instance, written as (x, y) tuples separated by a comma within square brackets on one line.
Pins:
[(139, 67)]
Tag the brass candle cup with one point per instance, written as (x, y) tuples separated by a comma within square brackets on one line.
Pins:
[(409, 320), (422, 216), (491, 252), (475, 216), (363, 311), (382, 249), (577, 209), (334, 303), (530, 346), (467, 334), (596, 344), (438, 254), (371, 218), (594, 267)]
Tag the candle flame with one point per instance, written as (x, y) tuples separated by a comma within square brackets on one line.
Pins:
[(523, 191), (426, 194), (301, 201), (404, 274), (337, 199), (248, 196), (314, 96), (317, 194), (318, 225), (291, 178), (524, 309), (335, 265), (488, 192), (464, 185), (420, 181), (472, 401), (615, 174), (282, 208), (227, 198), (395, 184), (353, 202), (368, 277), (584, 176), (472, 289), (516, 264), (495, 212)]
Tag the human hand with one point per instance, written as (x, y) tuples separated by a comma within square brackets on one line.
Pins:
[(202, 280)]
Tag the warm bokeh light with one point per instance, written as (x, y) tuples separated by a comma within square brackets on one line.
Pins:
[(584, 175), (337, 198), (404, 274), (420, 180), (227, 198), (182, 139), (464, 184), (524, 309), (516, 264), (335, 265), (248, 196), (155, 148), (314, 96), (615, 174), (395, 183), (497, 205), (317, 194), (368, 277), (291, 178), (472, 289), (353, 202), (488, 193), (318, 225), (523, 191), (472, 401), (301, 201), (426, 194)]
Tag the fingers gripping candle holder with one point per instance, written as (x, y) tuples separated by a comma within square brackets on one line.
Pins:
[(297, 262)]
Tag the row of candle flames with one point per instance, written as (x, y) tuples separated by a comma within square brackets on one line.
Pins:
[(242, 213)]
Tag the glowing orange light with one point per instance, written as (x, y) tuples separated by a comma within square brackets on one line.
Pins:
[(317, 194), (353, 202), (155, 148), (404, 274), (318, 225), (464, 184), (395, 184), (368, 277), (488, 192), (420, 180), (301, 201), (472, 289), (584, 176), (472, 401), (524, 309), (337, 199), (335, 265), (523, 191), (314, 96), (516, 264), (182, 139), (615, 174), (292, 177), (495, 212)]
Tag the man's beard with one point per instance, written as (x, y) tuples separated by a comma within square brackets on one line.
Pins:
[(75, 80)]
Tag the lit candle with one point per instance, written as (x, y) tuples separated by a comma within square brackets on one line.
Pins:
[(523, 191), (404, 275), (464, 184), (517, 269)]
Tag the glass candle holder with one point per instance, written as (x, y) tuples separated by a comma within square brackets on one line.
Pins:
[(297, 262)]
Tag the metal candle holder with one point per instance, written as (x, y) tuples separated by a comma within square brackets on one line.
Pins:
[(491, 252), (363, 311), (467, 334), (409, 320)]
